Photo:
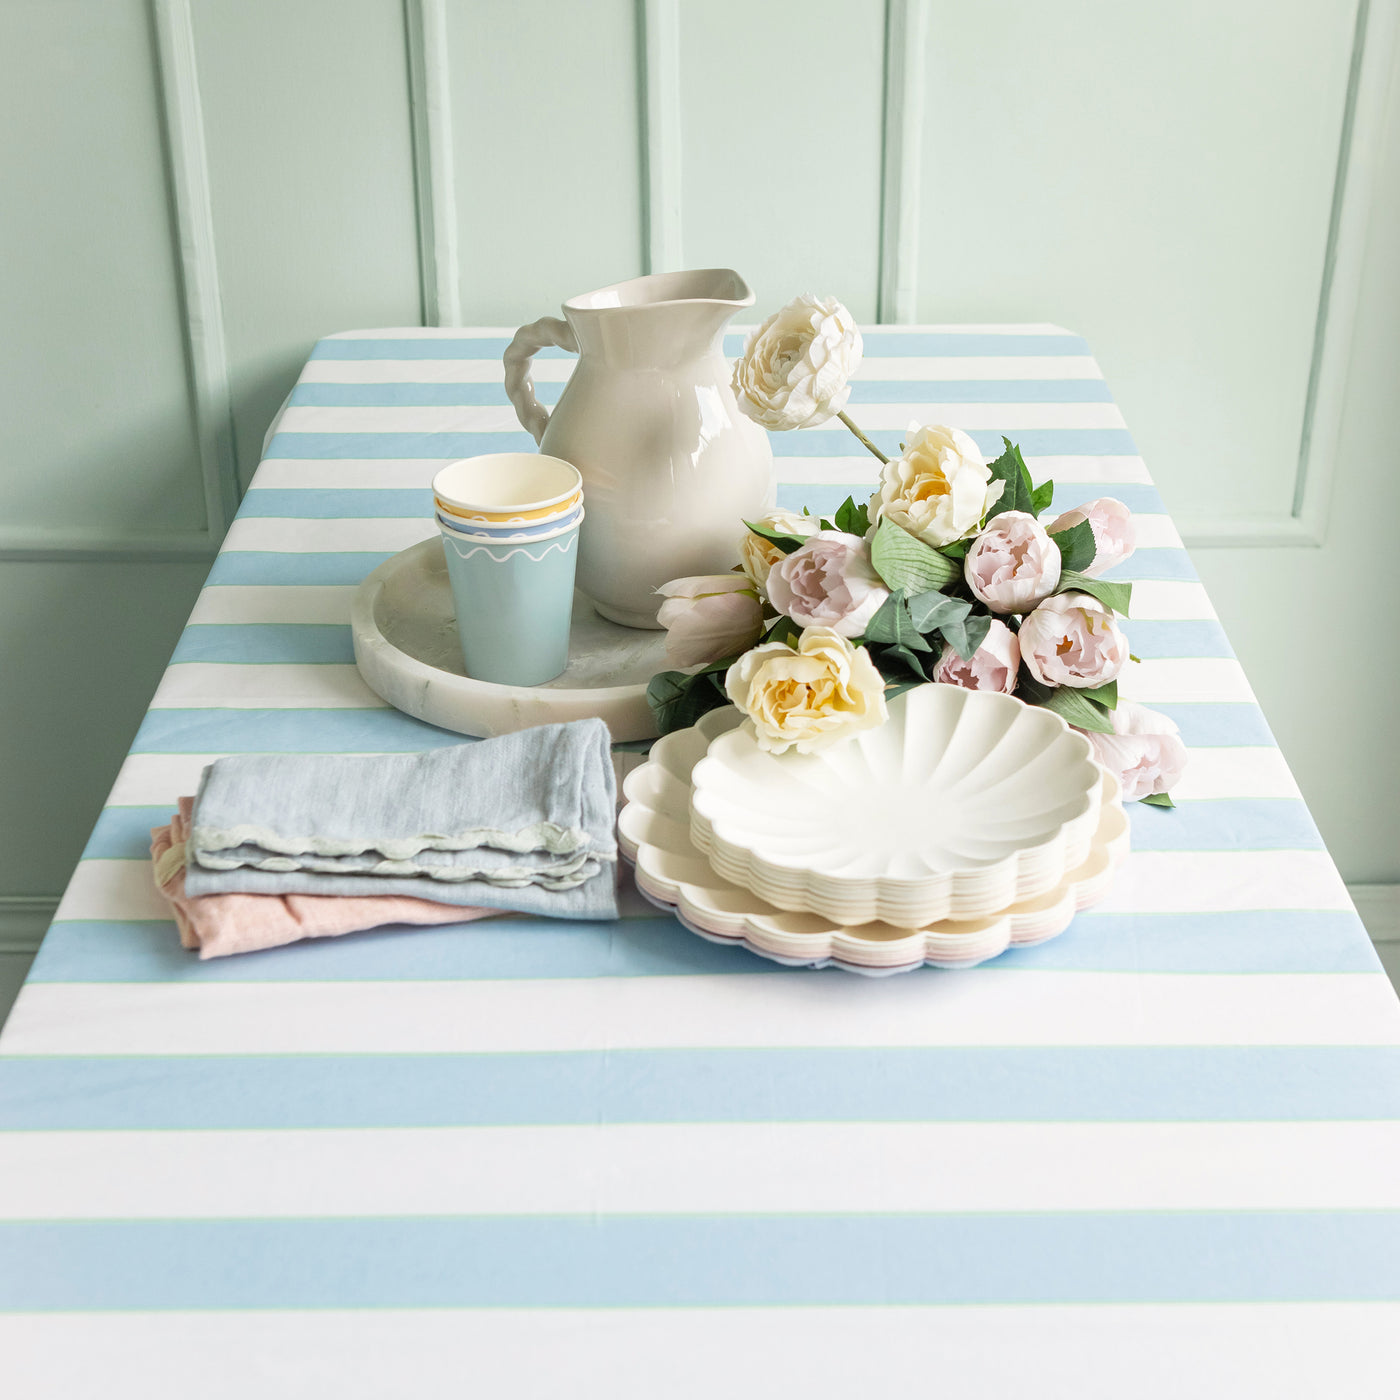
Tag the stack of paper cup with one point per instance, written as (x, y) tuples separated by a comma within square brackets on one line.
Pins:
[(509, 525)]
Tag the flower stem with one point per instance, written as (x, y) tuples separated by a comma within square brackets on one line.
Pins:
[(864, 441)]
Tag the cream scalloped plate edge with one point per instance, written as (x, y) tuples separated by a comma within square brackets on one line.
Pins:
[(654, 834)]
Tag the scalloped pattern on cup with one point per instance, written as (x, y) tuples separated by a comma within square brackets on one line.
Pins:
[(962, 803), (654, 833)]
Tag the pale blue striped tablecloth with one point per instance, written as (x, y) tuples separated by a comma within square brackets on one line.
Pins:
[(1157, 1156)]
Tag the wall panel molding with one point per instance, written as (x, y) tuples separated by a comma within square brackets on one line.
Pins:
[(906, 39), (45, 544), (430, 104), (187, 164), (206, 353), (660, 104), (1339, 296), (1379, 907), (24, 919)]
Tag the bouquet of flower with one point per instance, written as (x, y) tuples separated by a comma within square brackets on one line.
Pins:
[(946, 575)]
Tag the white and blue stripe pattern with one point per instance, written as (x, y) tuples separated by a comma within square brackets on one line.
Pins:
[(1159, 1155)]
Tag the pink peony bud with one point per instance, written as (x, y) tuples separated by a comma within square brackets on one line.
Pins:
[(1013, 563), (828, 582), (708, 617), (1144, 751), (993, 665), (1072, 639), (1115, 535)]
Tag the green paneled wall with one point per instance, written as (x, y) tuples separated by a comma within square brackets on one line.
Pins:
[(546, 139), (781, 122), (83, 645), (1316, 628), (311, 175), (1159, 177), (95, 428)]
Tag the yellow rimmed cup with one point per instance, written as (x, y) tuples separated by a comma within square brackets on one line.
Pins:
[(504, 488), (514, 517)]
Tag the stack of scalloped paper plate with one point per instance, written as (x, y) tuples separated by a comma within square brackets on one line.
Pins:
[(967, 823)]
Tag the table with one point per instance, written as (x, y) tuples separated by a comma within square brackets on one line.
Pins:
[(1157, 1156)]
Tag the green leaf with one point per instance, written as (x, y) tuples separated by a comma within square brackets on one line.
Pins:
[(1076, 546), (1010, 469), (956, 550), (783, 630), (1158, 799), (1106, 695), (909, 658), (1112, 595), (678, 699), (933, 610), (787, 543), (892, 625), (969, 635), (1042, 496), (1072, 706), (951, 618), (905, 562), (899, 687), (851, 518)]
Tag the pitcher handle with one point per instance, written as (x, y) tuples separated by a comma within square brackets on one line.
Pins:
[(520, 387)]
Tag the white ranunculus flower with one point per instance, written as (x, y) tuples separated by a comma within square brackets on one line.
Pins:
[(809, 697), (794, 368), (940, 488), (758, 555)]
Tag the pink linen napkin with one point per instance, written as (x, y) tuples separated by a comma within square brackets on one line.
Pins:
[(220, 924)]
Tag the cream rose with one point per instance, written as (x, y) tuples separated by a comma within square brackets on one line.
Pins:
[(939, 489), (1072, 639), (829, 582), (794, 368), (709, 616), (1144, 751), (758, 555), (807, 698)]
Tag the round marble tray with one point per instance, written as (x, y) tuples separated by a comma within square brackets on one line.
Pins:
[(407, 650)]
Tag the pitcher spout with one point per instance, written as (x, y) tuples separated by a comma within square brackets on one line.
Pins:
[(666, 318)]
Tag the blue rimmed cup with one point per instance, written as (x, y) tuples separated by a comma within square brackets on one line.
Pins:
[(519, 530), (514, 602)]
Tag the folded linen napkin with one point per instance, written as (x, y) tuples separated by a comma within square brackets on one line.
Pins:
[(521, 822), (221, 924)]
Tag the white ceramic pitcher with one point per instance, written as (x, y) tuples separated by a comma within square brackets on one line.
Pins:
[(671, 467)]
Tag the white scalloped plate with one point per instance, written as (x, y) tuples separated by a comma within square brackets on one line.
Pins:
[(960, 804), (654, 833)]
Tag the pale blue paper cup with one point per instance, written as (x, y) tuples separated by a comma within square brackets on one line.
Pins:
[(514, 601)]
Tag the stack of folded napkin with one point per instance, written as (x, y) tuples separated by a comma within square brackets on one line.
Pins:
[(277, 847)]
